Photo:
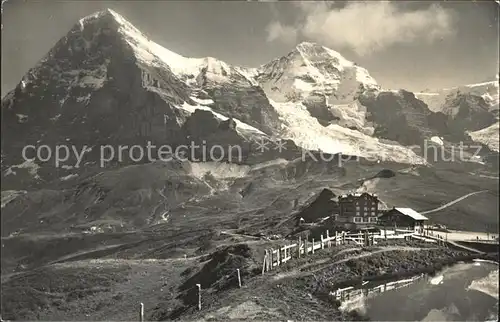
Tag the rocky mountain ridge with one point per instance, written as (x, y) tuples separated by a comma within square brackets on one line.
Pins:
[(107, 84)]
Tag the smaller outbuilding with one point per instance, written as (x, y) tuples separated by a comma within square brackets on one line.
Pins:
[(404, 218)]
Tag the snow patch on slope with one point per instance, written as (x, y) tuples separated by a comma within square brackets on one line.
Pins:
[(489, 136), (30, 165), (22, 118), (240, 126), (219, 170), (9, 195), (437, 140), (352, 115), (487, 285), (69, 177)]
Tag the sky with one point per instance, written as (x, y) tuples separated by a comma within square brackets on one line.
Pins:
[(403, 44)]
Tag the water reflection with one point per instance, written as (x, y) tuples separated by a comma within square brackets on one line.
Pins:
[(464, 292), (354, 298)]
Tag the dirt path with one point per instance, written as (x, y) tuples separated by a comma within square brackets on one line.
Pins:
[(297, 271), (89, 253), (470, 249), (239, 235), (452, 202)]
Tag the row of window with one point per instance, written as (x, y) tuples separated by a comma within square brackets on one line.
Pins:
[(366, 209), (369, 219), (359, 209), (359, 214)]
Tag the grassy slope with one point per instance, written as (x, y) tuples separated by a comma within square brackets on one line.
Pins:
[(251, 204)]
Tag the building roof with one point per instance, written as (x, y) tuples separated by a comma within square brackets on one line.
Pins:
[(357, 195), (411, 213)]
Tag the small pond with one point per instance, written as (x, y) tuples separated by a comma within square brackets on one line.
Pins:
[(462, 292)]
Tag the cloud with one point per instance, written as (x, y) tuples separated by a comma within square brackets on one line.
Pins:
[(277, 31), (312, 6), (365, 27)]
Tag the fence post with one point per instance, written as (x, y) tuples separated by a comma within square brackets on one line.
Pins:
[(322, 242), (343, 237), (328, 243), (264, 264), (272, 258), (199, 296), (269, 260), (239, 277), (312, 250), (305, 246), (278, 255), (336, 238), (300, 244), (141, 312)]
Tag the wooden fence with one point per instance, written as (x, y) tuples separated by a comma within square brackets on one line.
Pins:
[(275, 257)]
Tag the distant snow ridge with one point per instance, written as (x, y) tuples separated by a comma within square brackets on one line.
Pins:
[(489, 91)]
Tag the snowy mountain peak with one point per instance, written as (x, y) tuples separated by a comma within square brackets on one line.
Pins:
[(315, 51), (311, 69), (305, 44), (149, 53), (310, 49), (103, 14)]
